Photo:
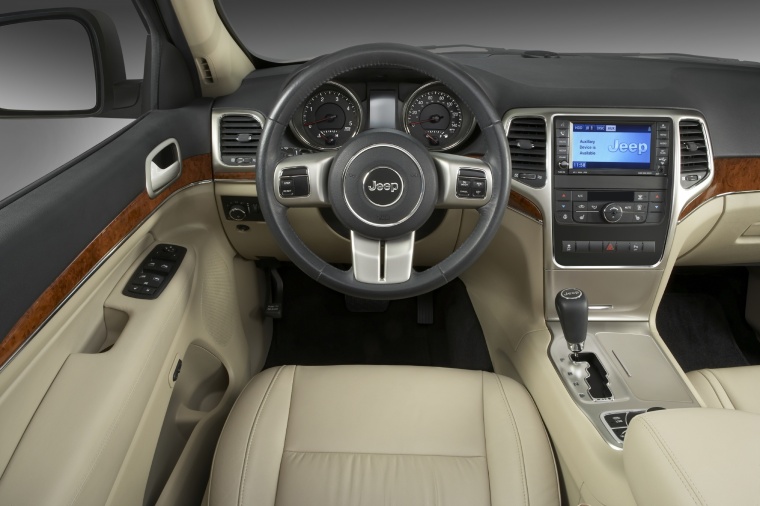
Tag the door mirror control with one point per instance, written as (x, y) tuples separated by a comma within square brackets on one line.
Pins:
[(155, 272)]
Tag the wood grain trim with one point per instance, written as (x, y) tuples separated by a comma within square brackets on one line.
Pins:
[(235, 175), (194, 169), (525, 206), (732, 175)]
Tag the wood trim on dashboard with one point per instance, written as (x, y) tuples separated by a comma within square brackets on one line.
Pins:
[(250, 176), (732, 175), (523, 205), (194, 169)]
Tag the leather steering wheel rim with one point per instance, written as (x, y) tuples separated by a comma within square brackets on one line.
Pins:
[(304, 82)]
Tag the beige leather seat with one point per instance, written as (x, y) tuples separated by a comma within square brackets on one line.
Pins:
[(366, 435), (730, 387)]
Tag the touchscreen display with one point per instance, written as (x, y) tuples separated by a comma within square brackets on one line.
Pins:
[(597, 146)]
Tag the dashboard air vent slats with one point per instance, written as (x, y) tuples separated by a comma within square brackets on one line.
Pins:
[(239, 136), (527, 147), (695, 163)]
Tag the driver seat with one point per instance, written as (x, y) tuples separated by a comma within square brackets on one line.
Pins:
[(367, 435)]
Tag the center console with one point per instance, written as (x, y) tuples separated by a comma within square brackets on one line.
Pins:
[(611, 189)]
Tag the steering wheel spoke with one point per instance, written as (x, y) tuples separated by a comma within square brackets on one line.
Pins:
[(382, 261), (301, 181), (463, 182)]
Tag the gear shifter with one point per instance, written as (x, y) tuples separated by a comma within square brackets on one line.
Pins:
[(572, 309)]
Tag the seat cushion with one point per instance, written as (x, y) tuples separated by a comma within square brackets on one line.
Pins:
[(730, 387), (365, 435)]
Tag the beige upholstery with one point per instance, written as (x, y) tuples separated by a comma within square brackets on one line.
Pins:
[(365, 435), (694, 456), (730, 388)]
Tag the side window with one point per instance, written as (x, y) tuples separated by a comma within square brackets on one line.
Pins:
[(33, 145)]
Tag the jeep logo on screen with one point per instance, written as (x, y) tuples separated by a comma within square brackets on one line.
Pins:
[(383, 186)]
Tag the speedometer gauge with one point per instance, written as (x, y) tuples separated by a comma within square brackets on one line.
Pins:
[(436, 118), (328, 118)]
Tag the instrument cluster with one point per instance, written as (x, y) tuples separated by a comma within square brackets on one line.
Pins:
[(336, 112)]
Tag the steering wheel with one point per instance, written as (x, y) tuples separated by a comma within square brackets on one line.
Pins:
[(383, 184)]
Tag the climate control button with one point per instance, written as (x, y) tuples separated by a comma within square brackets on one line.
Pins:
[(612, 213)]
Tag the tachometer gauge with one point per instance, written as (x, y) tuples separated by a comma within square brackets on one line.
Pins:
[(328, 118), (438, 119)]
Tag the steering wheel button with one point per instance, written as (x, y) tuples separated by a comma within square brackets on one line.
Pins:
[(463, 183), (287, 192), (286, 183), (464, 193), (478, 194)]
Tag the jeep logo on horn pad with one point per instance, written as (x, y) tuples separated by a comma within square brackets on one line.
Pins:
[(383, 186)]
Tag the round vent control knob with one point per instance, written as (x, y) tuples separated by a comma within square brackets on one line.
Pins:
[(237, 213), (612, 213)]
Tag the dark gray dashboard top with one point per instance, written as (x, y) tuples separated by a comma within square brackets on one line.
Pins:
[(727, 95)]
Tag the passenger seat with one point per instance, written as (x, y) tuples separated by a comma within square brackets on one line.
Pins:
[(729, 388)]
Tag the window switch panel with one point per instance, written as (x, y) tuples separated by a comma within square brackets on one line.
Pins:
[(155, 272)]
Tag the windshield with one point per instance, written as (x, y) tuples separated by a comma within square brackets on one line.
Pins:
[(297, 30)]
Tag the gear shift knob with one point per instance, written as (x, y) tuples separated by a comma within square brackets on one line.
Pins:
[(572, 309)]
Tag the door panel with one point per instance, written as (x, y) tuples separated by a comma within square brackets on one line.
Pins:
[(84, 404), (46, 229)]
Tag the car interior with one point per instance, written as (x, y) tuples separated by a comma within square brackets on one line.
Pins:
[(388, 274)]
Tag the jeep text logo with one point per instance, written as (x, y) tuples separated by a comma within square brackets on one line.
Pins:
[(383, 186), (380, 187)]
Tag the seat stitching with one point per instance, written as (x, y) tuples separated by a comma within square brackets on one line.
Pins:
[(308, 452), (251, 436), (712, 387), (285, 437), (680, 471), (713, 380), (517, 439), (485, 438)]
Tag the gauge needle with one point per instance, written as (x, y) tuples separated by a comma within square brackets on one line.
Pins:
[(433, 139), (435, 118), (329, 117)]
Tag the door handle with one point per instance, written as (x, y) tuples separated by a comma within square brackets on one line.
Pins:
[(163, 166)]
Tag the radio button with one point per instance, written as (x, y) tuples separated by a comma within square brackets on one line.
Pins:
[(562, 150), (562, 123), (663, 143), (563, 132), (663, 152), (663, 134), (563, 165), (562, 142), (663, 126)]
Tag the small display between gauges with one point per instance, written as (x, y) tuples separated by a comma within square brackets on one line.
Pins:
[(328, 118), (436, 118)]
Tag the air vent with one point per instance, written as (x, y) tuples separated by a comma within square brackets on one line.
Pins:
[(204, 69), (695, 160), (527, 147), (239, 136)]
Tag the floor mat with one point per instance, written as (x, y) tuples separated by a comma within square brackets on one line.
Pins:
[(701, 319), (317, 329)]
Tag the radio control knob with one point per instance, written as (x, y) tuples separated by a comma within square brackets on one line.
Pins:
[(612, 213), (564, 165), (237, 213)]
